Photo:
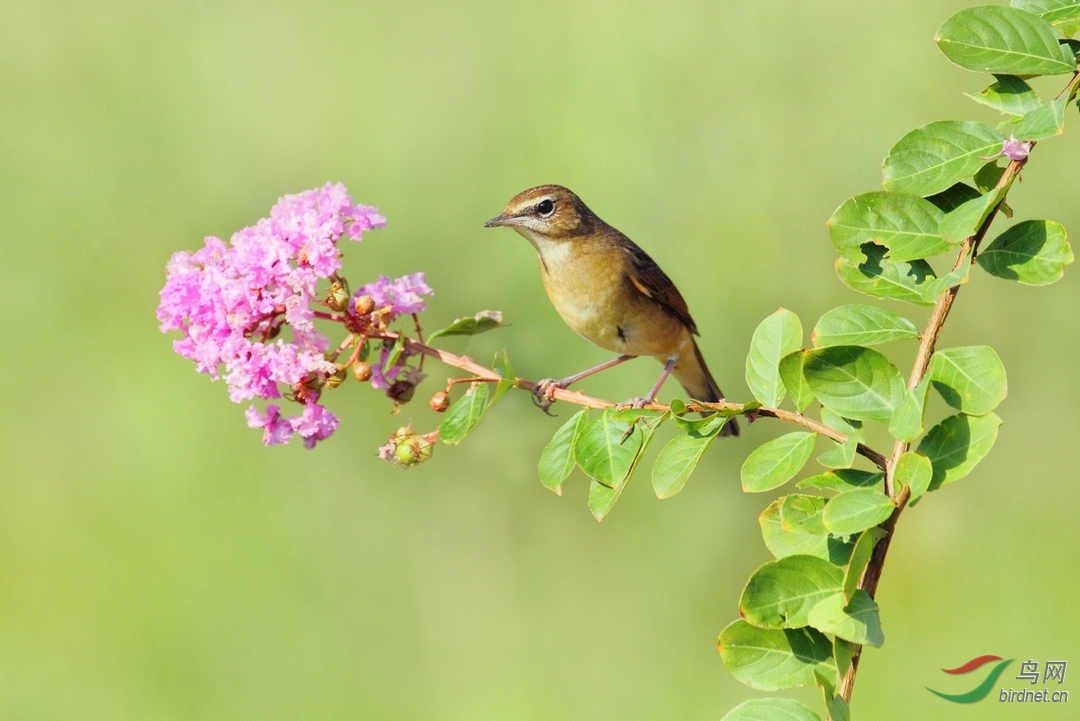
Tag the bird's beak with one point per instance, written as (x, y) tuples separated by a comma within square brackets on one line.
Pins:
[(500, 220)]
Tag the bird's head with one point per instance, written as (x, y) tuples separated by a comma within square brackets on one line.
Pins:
[(546, 214)]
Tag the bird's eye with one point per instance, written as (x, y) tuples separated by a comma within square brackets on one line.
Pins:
[(545, 208)]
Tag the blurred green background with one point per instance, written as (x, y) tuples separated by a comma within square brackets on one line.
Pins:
[(157, 562)]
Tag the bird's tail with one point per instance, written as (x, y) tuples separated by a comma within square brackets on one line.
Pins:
[(695, 377)]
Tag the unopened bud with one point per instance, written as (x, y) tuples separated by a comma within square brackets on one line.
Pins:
[(401, 391), (338, 297), (405, 448), (363, 305), (361, 371), (440, 402), (337, 379)]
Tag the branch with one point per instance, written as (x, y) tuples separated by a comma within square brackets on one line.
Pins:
[(968, 251), (487, 375)]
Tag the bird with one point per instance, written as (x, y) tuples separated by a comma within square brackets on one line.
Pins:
[(610, 292)]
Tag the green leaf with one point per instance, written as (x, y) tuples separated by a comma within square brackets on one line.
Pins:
[(802, 514), (931, 158), (783, 543), (557, 458), (933, 288), (1003, 40), (482, 322), (882, 278), (506, 372), (775, 463), (965, 221), (970, 379), (957, 444), (1062, 14), (775, 337), (1044, 122), (844, 479), (843, 651), (1033, 252), (857, 621), (860, 558), (861, 325), (791, 372), (988, 176), (915, 471), (854, 382), (602, 497), (838, 708), (904, 223), (1010, 95), (906, 423), (953, 197), (680, 456), (464, 414), (605, 451), (394, 354), (856, 510), (770, 709), (846, 426), (781, 593), (840, 456), (770, 660)]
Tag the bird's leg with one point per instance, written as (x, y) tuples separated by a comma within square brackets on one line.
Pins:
[(642, 402), (544, 390)]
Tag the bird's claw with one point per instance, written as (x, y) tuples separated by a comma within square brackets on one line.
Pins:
[(544, 393), (635, 403)]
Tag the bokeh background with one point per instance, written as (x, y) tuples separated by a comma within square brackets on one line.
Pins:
[(157, 562)]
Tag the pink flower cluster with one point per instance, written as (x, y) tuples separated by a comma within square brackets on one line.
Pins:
[(231, 302)]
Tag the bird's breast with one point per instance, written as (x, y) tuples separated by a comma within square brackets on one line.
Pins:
[(591, 293)]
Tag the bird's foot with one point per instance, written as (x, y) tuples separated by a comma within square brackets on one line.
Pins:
[(543, 393), (635, 403)]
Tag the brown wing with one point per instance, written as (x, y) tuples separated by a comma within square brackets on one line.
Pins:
[(646, 276)]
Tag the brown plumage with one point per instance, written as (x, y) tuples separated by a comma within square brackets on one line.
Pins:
[(609, 291)]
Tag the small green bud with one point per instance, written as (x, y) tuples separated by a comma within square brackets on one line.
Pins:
[(338, 378), (338, 297)]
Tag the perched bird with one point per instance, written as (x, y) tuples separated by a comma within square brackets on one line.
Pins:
[(609, 291)]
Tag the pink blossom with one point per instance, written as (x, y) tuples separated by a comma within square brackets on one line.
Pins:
[(401, 294), (275, 428), (1014, 149), (231, 301), (315, 424)]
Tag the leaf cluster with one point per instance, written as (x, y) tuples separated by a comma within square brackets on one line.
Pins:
[(806, 615)]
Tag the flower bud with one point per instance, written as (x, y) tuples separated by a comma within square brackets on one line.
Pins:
[(338, 296), (440, 402), (337, 379), (361, 371), (363, 305), (401, 391), (406, 448)]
